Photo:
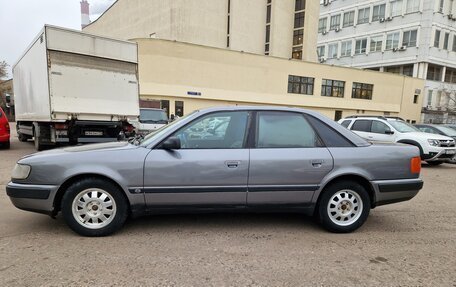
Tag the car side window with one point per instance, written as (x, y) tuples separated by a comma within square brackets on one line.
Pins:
[(362, 126), (379, 128), (284, 130), (223, 130), (346, 123)]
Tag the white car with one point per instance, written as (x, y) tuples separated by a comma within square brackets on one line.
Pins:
[(434, 149), (150, 120)]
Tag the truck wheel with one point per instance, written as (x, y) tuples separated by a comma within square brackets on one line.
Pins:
[(22, 138), (94, 207), (344, 207), (38, 146)]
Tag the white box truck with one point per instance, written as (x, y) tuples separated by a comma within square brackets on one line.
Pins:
[(72, 87)]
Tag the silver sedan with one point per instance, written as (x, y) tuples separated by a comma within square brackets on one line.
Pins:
[(221, 159)]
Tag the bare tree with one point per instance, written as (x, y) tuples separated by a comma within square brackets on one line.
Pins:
[(3, 70), (449, 97)]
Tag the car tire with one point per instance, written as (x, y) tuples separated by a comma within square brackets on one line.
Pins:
[(343, 207), (434, 163), (94, 207), (22, 138), (7, 145)]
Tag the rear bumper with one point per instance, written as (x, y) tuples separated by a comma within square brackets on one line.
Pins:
[(392, 191), (36, 198), (4, 138)]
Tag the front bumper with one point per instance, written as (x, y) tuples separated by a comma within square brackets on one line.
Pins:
[(36, 198), (439, 154), (392, 191)]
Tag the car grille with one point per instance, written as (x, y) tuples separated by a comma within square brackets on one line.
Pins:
[(447, 143)]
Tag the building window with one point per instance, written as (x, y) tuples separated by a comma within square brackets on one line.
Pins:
[(392, 40), (429, 99), (298, 36), (446, 39), (454, 43), (409, 38), (300, 5), (268, 33), (393, 70), (396, 8), (450, 75), (332, 88), (346, 48), (268, 13), (179, 108), (413, 6), (299, 20), (441, 5), (415, 99), (360, 46), (349, 18), (268, 27), (407, 70), (322, 25), (335, 22), (378, 12), (337, 115), (300, 85), (321, 51), (297, 53), (434, 73), (437, 39), (376, 44), (362, 91), (363, 15), (228, 25), (332, 50)]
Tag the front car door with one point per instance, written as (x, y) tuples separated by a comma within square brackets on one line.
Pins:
[(209, 170), (381, 132), (288, 160)]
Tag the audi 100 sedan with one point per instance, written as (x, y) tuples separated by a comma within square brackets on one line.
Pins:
[(221, 159)]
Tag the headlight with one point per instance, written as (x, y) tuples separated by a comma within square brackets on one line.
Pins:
[(434, 142), (21, 171)]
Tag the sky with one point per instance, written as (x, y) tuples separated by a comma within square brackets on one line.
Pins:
[(22, 20)]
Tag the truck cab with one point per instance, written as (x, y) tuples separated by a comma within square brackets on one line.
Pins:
[(150, 120)]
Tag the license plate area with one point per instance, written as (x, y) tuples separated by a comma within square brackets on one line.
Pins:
[(450, 151), (93, 133)]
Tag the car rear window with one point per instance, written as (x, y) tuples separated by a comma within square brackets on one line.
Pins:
[(329, 136), (362, 125)]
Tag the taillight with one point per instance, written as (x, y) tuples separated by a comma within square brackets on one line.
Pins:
[(415, 165), (128, 128), (59, 126), (7, 126)]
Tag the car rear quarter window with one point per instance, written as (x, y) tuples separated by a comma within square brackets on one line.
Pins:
[(284, 130), (346, 123), (362, 125), (329, 136)]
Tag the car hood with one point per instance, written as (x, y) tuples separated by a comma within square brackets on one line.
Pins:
[(99, 147), (426, 136)]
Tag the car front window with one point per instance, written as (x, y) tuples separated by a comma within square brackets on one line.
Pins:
[(403, 127)]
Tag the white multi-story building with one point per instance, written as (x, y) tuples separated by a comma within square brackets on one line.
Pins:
[(280, 28), (411, 37)]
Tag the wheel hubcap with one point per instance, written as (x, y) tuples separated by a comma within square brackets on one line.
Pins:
[(345, 207), (94, 208)]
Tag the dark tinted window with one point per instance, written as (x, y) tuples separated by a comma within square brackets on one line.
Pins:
[(362, 125), (329, 136), (284, 130), (379, 127)]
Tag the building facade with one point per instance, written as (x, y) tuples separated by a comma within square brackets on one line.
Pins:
[(280, 28), (416, 38), (183, 77)]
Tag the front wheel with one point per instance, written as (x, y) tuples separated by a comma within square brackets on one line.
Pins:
[(344, 207), (94, 207)]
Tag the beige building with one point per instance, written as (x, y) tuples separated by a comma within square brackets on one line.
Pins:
[(280, 28), (183, 77)]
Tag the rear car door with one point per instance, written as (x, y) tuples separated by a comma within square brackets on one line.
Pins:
[(209, 170), (362, 128), (287, 161)]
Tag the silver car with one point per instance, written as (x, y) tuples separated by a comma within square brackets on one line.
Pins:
[(220, 159)]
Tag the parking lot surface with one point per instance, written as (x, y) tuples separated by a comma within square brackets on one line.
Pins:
[(405, 244)]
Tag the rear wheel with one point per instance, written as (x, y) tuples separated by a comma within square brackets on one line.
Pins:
[(94, 207), (22, 138), (344, 207), (36, 139)]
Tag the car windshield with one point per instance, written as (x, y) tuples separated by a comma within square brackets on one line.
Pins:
[(153, 116), (403, 127), (447, 131), (150, 137)]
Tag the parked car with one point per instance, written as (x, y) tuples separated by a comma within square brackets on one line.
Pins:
[(434, 149), (265, 159), (440, 130), (150, 120), (452, 126), (4, 130)]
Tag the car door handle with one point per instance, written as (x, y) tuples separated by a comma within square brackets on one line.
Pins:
[(232, 163), (317, 162)]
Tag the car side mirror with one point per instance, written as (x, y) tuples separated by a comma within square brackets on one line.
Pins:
[(171, 143), (389, 132)]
